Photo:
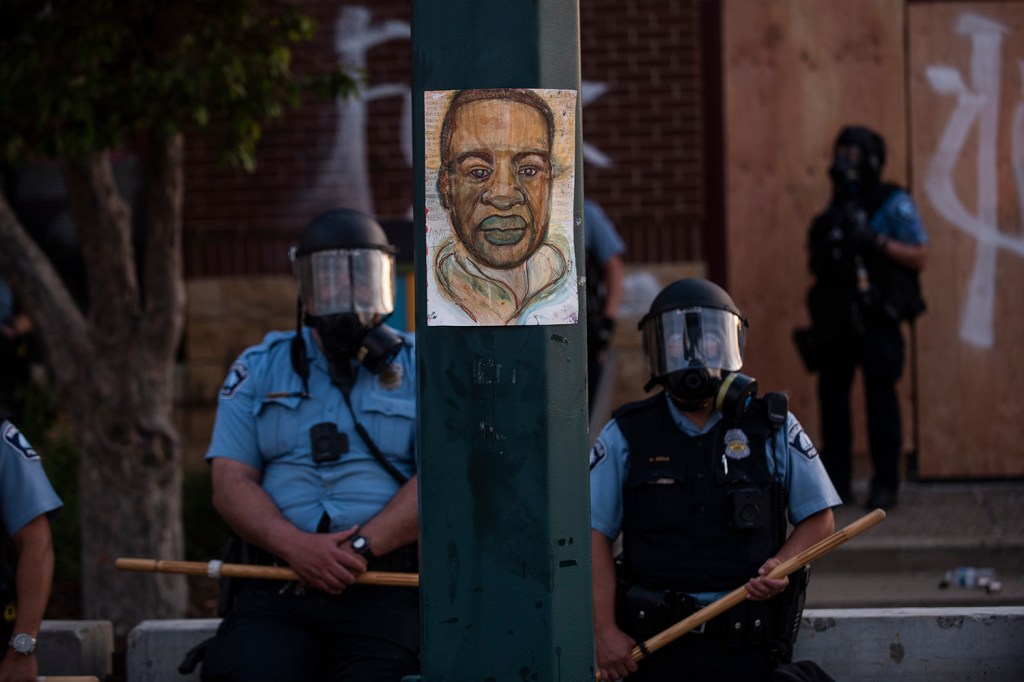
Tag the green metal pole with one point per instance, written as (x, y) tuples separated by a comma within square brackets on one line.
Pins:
[(502, 439)]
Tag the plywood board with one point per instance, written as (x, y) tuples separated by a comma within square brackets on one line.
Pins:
[(795, 73), (967, 113)]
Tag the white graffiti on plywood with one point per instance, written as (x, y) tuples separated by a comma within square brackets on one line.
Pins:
[(344, 178), (977, 105)]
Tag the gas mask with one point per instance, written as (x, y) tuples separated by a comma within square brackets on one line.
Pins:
[(346, 295), (848, 179), (347, 335), (696, 354), (859, 154)]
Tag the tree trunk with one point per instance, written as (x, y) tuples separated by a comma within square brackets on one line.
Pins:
[(129, 487), (112, 371)]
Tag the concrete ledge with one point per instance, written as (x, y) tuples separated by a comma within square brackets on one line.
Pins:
[(922, 643), (850, 644), (75, 647), (157, 647)]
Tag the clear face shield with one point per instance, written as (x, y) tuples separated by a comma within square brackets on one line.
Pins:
[(694, 338), (357, 281)]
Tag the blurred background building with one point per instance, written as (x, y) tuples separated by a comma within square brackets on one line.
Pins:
[(708, 127)]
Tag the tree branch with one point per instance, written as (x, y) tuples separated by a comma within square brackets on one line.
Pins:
[(164, 283), (60, 326), (104, 222)]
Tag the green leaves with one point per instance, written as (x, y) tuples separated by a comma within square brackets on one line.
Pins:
[(80, 77)]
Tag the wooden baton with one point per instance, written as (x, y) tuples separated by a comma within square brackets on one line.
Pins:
[(216, 569), (812, 553)]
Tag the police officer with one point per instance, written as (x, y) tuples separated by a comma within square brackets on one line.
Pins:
[(313, 465), (605, 277), (866, 249), (27, 503), (698, 478)]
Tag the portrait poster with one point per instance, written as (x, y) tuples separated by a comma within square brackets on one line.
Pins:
[(500, 180)]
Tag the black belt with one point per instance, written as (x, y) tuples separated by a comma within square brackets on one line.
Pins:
[(644, 612)]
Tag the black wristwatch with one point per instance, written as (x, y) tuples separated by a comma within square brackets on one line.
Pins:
[(361, 545)]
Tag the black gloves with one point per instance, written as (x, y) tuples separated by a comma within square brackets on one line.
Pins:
[(867, 239)]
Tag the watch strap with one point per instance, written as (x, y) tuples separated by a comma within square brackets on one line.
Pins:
[(361, 545), (22, 643)]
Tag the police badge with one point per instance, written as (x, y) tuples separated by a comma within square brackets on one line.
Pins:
[(737, 446), (390, 377)]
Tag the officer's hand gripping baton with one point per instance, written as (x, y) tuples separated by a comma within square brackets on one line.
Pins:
[(812, 553)]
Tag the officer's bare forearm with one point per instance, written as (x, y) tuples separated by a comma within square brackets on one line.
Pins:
[(811, 530), (243, 503), (913, 256), (603, 568), (397, 524), (614, 276), (34, 576)]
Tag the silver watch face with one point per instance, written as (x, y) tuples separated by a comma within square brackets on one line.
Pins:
[(361, 545), (23, 643)]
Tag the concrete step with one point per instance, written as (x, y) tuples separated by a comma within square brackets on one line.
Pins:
[(887, 589), (908, 559), (937, 527)]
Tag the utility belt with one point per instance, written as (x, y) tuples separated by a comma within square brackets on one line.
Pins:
[(643, 612)]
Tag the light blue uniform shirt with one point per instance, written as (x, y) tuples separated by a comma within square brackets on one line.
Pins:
[(898, 219), (795, 463), (25, 491), (599, 235), (263, 421)]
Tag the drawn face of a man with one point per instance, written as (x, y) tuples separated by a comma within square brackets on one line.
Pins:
[(497, 187)]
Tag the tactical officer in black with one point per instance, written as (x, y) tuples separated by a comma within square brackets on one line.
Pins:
[(699, 479), (866, 250)]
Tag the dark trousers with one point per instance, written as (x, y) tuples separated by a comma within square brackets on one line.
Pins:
[(369, 633), (704, 657), (880, 355)]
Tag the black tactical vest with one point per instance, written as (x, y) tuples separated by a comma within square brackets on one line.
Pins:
[(700, 513)]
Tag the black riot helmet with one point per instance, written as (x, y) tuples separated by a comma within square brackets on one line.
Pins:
[(346, 271), (858, 157), (694, 337)]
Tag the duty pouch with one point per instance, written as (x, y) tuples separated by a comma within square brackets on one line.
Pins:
[(641, 611), (784, 629), (774, 622), (746, 624), (228, 588), (238, 551)]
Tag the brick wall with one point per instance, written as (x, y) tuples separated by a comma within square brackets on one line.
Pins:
[(648, 122)]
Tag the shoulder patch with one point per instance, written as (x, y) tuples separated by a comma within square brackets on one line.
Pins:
[(800, 441), (598, 453), (237, 375), (905, 209), (13, 437)]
